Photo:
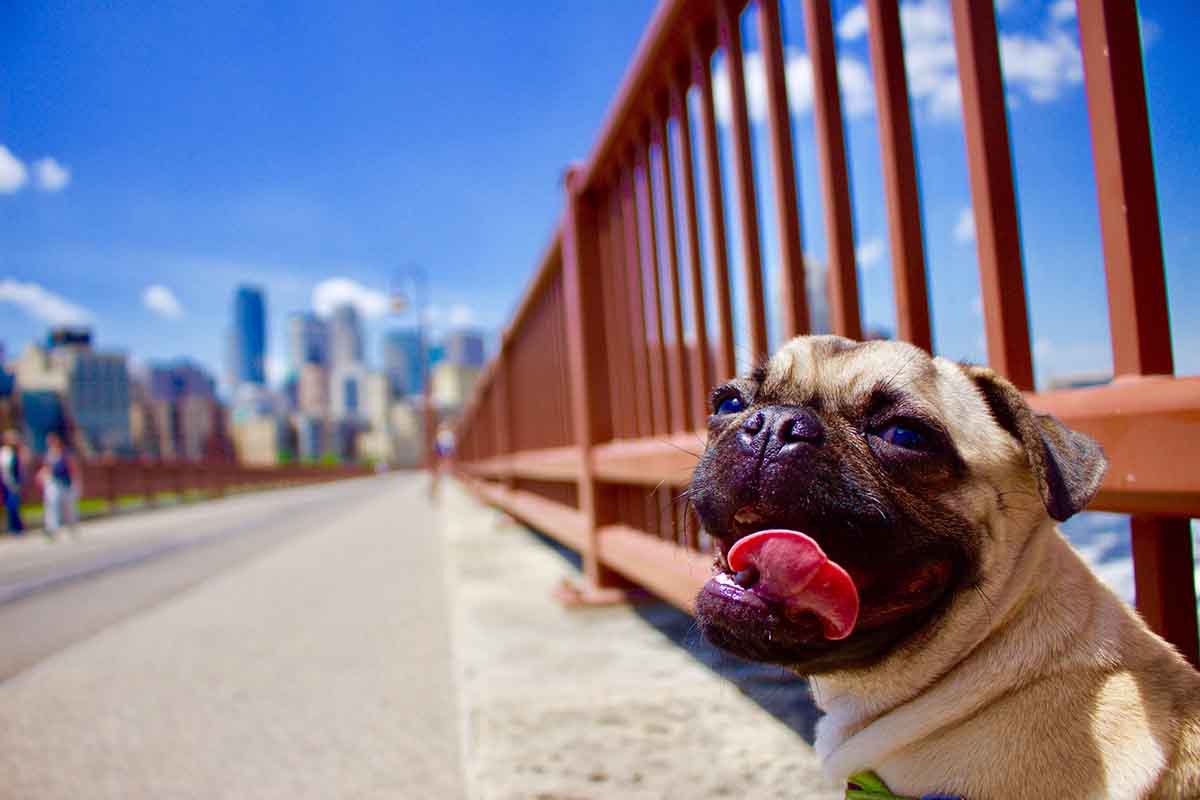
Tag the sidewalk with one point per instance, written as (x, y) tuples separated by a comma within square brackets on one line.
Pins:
[(593, 703)]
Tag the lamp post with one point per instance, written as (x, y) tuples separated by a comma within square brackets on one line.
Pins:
[(417, 299)]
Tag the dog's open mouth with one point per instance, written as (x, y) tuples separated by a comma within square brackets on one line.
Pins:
[(776, 596)]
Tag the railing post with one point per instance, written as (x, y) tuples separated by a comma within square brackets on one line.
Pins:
[(587, 368), (1137, 294)]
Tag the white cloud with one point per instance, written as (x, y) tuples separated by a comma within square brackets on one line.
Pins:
[(854, 78), (853, 24), (1062, 10), (461, 316), (964, 229), (51, 176), (329, 294), (1041, 66), (870, 252), (42, 303), (1037, 66), (162, 301), (13, 174)]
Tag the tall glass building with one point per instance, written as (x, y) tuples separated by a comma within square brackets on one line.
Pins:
[(249, 336)]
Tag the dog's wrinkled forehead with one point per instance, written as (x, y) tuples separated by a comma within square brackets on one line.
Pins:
[(836, 372)]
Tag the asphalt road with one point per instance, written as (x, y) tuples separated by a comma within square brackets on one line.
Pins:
[(292, 643)]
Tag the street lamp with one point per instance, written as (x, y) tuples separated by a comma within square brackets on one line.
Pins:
[(417, 299)]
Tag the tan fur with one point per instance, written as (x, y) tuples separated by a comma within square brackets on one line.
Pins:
[(1043, 684)]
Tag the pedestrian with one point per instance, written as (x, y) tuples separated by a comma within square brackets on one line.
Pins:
[(11, 478), (59, 477)]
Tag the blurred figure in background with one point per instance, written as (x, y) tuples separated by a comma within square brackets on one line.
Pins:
[(11, 479), (59, 477)]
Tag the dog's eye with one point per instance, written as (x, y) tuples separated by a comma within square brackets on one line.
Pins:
[(729, 404), (906, 435)]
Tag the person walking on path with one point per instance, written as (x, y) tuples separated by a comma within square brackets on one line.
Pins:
[(59, 477), (11, 480)]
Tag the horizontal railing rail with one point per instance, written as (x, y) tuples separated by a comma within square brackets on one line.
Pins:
[(117, 483), (592, 414)]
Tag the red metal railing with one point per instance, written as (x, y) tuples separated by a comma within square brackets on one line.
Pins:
[(597, 396), (151, 481)]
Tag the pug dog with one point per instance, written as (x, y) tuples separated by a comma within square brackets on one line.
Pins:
[(885, 524)]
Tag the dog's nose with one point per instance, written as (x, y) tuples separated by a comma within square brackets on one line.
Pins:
[(799, 425), (788, 425)]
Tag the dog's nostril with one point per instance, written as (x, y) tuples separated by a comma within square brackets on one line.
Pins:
[(754, 423), (803, 427)]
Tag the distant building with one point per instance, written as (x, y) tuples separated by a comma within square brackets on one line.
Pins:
[(347, 392), (312, 390), (345, 337), (402, 361), (258, 441), (308, 340), (464, 348), (310, 436), (173, 380), (43, 412), (249, 347), (452, 384), (93, 387)]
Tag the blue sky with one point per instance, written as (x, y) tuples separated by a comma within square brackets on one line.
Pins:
[(193, 146)]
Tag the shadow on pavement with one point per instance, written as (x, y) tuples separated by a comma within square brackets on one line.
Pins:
[(782, 694)]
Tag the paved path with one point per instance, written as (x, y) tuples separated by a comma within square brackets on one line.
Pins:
[(320, 668)]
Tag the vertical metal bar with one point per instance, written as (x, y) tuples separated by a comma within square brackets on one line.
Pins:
[(1163, 572), (676, 358), (1109, 34), (625, 413), (584, 316), (730, 34), (659, 378), (1133, 259), (794, 313), (500, 387), (844, 316), (699, 368), (993, 198), (637, 313), (899, 172), (726, 362)]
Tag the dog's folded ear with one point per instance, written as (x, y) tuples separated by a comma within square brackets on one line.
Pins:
[(1067, 465)]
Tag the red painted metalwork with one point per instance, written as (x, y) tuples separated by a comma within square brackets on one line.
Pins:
[(899, 173), (588, 456), (730, 34), (794, 315), (637, 314), (715, 219), (677, 362), (660, 377), (844, 314), (1110, 39), (997, 234), (698, 369)]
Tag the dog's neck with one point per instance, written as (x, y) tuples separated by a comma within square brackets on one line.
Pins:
[(977, 654)]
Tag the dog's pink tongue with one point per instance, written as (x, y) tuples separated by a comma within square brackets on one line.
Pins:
[(793, 570)]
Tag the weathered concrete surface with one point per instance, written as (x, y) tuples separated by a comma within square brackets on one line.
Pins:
[(593, 703), (320, 669)]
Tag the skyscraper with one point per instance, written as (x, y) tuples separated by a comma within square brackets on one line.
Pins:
[(464, 348), (308, 340), (249, 336), (402, 360), (345, 337)]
